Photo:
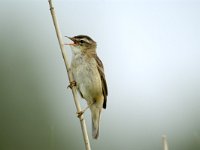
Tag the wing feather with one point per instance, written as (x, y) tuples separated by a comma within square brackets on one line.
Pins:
[(103, 79)]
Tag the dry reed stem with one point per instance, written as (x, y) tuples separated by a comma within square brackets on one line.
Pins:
[(70, 76)]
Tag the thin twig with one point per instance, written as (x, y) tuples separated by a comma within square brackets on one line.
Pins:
[(165, 143), (70, 76)]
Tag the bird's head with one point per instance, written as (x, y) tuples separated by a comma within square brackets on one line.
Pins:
[(82, 43)]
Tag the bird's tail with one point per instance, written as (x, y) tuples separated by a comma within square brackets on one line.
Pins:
[(95, 113)]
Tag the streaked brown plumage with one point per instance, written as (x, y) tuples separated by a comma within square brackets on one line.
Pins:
[(89, 75)]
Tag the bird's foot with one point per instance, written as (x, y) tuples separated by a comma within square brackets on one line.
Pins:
[(71, 84), (80, 113)]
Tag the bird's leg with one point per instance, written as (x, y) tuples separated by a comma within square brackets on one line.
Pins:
[(71, 84), (79, 114)]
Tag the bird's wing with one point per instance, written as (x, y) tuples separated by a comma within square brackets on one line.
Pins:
[(103, 79)]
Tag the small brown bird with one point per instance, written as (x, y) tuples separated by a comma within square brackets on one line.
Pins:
[(89, 77)]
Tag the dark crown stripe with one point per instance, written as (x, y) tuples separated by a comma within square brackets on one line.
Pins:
[(84, 36)]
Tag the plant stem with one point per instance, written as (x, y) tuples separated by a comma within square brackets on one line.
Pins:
[(70, 76), (165, 143)]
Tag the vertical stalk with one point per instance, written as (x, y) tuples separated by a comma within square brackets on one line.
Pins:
[(70, 76), (165, 143)]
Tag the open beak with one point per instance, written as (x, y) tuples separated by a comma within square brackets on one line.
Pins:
[(71, 44)]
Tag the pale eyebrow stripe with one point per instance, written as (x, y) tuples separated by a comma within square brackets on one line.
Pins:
[(86, 40)]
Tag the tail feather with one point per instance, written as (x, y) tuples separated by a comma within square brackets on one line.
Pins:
[(95, 113)]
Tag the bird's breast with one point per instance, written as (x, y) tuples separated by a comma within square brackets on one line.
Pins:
[(87, 76)]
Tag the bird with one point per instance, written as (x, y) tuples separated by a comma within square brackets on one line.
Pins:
[(88, 73)]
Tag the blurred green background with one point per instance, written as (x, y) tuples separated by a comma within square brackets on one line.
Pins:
[(150, 50)]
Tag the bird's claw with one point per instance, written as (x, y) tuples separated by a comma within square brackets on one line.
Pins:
[(71, 84), (80, 113)]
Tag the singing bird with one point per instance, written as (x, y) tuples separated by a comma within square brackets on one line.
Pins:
[(88, 72)]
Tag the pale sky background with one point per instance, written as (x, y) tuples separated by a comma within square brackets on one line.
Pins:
[(151, 55)]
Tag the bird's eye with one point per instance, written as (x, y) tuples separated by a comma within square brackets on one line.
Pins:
[(81, 41)]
